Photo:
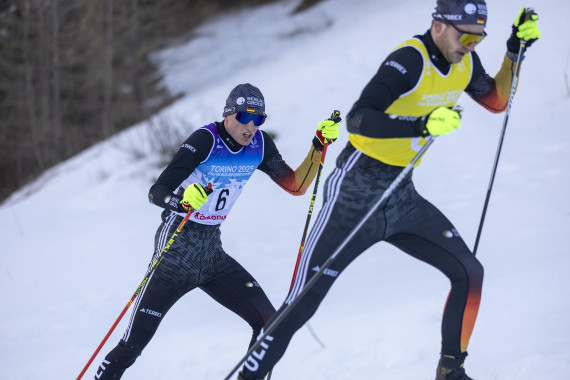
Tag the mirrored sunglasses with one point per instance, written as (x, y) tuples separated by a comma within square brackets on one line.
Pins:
[(246, 117), (466, 38)]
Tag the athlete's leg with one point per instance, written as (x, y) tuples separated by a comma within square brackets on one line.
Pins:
[(426, 234), (239, 292), (148, 311), (166, 285), (345, 203)]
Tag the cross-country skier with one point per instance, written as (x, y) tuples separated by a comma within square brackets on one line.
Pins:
[(409, 98), (224, 154)]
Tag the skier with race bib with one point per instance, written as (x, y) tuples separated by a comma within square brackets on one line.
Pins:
[(225, 155)]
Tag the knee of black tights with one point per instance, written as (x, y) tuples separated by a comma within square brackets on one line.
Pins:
[(475, 270), (472, 273), (257, 320), (256, 325)]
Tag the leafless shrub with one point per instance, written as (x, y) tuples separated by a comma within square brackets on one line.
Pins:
[(161, 137)]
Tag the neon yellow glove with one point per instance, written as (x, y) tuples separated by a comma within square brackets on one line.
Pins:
[(327, 131), (442, 121), (525, 28), (194, 197)]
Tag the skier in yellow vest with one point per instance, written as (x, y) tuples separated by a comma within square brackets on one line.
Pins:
[(410, 98)]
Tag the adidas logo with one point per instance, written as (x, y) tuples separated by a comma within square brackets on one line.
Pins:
[(151, 312), (327, 271)]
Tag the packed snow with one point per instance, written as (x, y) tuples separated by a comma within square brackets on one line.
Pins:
[(75, 244)]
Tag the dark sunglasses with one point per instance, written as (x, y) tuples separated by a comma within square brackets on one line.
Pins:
[(466, 38), (246, 117)]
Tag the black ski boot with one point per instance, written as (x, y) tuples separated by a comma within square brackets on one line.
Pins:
[(451, 368)]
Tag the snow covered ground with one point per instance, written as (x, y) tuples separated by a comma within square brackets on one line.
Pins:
[(75, 245)]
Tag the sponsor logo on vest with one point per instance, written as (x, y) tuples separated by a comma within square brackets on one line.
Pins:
[(199, 216), (461, 67), (254, 143), (440, 99), (232, 169)]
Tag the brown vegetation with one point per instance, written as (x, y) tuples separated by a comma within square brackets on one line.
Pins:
[(74, 72)]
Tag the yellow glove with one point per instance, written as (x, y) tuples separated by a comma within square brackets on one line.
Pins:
[(442, 121), (525, 28), (327, 131), (194, 197)]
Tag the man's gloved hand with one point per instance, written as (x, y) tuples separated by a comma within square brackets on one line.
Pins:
[(194, 197), (525, 28), (442, 121), (327, 131)]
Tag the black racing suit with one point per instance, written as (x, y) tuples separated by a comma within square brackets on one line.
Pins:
[(406, 220), (196, 257)]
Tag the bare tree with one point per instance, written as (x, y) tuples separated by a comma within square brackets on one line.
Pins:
[(108, 129), (73, 72)]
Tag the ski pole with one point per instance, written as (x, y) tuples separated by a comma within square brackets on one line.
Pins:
[(335, 117), (528, 12), (151, 270), (287, 309)]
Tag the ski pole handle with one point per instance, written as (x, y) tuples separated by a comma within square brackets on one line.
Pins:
[(528, 12), (208, 190), (335, 116)]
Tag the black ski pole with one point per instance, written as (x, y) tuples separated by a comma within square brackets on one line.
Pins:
[(528, 12), (287, 309)]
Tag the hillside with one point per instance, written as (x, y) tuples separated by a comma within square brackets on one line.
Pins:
[(75, 244)]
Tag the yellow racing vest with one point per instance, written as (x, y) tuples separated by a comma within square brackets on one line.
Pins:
[(432, 90)]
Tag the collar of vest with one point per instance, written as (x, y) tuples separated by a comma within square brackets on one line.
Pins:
[(435, 55), (230, 142)]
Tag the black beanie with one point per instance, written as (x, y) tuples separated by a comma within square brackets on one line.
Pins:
[(245, 98), (461, 12)]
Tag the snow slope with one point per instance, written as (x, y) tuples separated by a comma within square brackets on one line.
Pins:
[(75, 244)]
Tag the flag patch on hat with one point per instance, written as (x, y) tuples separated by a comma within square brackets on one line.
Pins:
[(480, 20), (250, 109)]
